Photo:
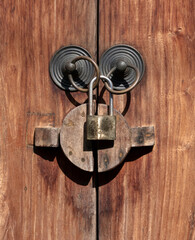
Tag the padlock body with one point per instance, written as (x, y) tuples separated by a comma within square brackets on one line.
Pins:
[(101, 127)]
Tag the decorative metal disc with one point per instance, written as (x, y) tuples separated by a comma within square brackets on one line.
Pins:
[(128, 54), (84, 69)]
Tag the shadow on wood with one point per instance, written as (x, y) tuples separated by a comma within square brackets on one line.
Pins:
[(128, 100), (134, 154), (69, 169), (47, 153), (73, 100), (83, 177), (137, 152)]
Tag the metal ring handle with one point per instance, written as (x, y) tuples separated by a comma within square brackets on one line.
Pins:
[(96, 69), (127, 89)]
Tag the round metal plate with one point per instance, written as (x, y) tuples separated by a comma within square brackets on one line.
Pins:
[(78, 149), (84, 69), (122, 80)]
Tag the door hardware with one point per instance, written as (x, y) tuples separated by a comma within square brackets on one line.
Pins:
[(71, 68), (124, 65), (101, 127), (82, 73), (79, 150), (122, 68)]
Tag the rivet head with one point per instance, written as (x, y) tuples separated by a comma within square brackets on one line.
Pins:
[(70, 67), (121, 66)]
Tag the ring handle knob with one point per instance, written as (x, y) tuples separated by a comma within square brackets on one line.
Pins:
[(124, 65), (71, 67), (82, 71)]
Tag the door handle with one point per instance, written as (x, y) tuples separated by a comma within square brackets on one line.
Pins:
[(60, 68), (124, 65)]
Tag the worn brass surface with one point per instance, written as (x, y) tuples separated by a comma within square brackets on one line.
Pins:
[(101, 127)]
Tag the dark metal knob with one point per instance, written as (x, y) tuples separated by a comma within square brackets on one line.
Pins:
[(124, 65), (60, 66)]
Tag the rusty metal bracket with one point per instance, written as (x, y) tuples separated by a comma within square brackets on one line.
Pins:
[(142, 136), (49, 136), (46, 137)]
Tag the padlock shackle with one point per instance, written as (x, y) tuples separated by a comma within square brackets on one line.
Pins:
[(104, 79), (91, 96)]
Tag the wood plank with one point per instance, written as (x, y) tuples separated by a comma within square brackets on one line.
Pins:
[(42, 195), (152, 196)]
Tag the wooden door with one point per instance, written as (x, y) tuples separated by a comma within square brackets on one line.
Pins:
[(42, 195), (152, 196)]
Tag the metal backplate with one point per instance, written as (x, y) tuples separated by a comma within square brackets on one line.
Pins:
[(74, 143), (84, 69), (128, 54)]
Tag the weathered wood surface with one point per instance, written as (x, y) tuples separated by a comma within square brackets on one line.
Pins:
[(42, 196), (153, 196), (80, 151)]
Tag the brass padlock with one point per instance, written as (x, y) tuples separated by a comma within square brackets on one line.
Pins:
[(101, 127)]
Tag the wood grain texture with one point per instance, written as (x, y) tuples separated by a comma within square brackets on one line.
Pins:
[(152, 196), (42, 196)]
